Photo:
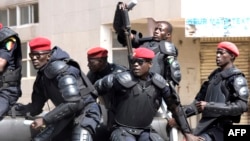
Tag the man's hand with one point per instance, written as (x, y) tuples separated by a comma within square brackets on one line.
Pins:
[(201, 105), (172, 123), (38, 124), (122, 5), (191, 137), (3, 64)]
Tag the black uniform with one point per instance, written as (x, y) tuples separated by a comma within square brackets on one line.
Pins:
[(62, 81), (227, 95), (131, 96), (106, 100), (10, 78)]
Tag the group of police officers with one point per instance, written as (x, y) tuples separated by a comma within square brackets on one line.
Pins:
[(131, 96)]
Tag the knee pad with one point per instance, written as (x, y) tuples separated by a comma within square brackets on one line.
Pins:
[(155, 137), (81, 134)]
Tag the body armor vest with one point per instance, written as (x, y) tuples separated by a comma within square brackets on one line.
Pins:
[(141, 102), (10, 78), (217, 89)]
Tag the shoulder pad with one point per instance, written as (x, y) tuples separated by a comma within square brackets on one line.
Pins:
[(168, 48), (118, 68), (158, 80), (230, 72), (126, 79), (55, 68), (241, 87)]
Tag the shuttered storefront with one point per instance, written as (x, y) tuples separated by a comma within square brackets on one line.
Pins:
[(208, 56)]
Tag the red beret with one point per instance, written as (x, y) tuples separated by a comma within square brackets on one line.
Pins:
[(1, 25), (40, 44), (97, 52), (230, 47), (143, 52)]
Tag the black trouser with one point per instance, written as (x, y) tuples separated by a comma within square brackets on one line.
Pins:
[(126, 134), (5, 104)]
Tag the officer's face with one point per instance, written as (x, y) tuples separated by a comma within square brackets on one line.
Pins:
[(141, 67), (224, 58), (96, 64), (39, 58), (161, 32)]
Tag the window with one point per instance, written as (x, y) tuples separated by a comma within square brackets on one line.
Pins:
[(12, 17), (24, 14), (3, 17), (27, 68), (19, 15), (120, 53)]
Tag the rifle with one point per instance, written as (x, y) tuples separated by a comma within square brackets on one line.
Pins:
[(127, 29)]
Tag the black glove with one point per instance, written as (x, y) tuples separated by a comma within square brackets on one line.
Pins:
[(17, 110), (21, 109)]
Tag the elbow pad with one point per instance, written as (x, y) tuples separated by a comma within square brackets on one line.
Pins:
[(181, 119), (220, 109), (60, 112)]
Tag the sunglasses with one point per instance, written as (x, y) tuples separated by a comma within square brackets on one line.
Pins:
[(139, 61), (38, 54)]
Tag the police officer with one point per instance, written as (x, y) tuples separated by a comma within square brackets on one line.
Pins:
[(60, 80), (138, 95), (98, 68), (165, 61), (10, 69), (223, 98), (98, 64)]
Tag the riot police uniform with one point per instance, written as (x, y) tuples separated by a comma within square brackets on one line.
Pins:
[(73, 95), (131, 96), (227, 94), (10, 77), (106, 101)]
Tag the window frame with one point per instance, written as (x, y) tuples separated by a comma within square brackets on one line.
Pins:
[(117, 47), (27, 60), (32, 15)]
